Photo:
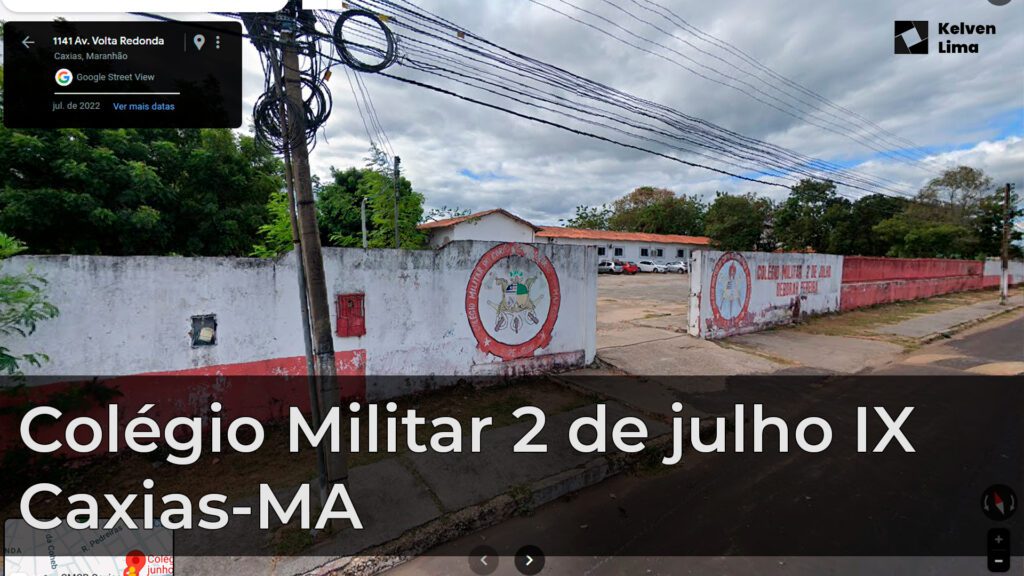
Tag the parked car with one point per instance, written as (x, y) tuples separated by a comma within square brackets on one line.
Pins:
[(628, 267), (609, 267), (651, 266), (678, 266)]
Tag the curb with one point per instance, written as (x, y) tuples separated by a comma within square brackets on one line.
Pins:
[(950, 332), (516, 502)]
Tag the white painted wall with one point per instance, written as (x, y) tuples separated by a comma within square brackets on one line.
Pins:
[(130, 315), (438, 237), (782, 287), (126, 315), (994, 267), (494, 227), (631, 250)]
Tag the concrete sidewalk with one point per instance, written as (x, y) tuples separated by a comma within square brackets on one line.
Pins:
[(880, 345), (935, 325), (654, 346)]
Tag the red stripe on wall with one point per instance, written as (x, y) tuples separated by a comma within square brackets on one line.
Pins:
[(868, 281), (263, 389)]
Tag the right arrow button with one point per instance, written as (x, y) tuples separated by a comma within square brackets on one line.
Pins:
[(529, 560)]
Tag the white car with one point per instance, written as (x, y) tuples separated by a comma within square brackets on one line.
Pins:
[(608, 267), (650, 266), (678, 266)]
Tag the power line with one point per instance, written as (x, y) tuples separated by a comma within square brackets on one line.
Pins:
[(581, 108), (438, 29), (359, 108), (674, 18), (434, 46), (727, 81), (373, 113)]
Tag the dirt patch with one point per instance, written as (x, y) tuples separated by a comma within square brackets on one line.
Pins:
[(658, 301)]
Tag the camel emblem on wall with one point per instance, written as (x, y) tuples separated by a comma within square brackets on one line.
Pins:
[(515, 305)]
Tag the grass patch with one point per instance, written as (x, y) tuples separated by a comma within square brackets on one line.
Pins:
[(863, 322), (290, 540)]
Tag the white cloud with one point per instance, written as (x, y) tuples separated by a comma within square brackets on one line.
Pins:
[(969, 106), (842, 50)]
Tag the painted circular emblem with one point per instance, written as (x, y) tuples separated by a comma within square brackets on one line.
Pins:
[(512, 301), (730, 290)]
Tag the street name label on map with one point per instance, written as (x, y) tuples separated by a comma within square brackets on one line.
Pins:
[(100, 552)]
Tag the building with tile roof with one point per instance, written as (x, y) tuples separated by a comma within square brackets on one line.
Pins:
[(499, 225)]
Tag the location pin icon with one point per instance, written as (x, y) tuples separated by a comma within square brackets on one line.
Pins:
[(199, 40)]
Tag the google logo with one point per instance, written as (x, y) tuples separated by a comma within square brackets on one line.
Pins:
[(63, 77)]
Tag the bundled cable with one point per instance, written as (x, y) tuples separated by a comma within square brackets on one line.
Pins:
[(400, 41)]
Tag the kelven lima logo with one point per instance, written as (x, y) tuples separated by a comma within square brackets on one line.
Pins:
[(911, 37)]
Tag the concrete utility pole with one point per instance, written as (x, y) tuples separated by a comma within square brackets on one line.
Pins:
[(1004, 272), (362, 217), (312, 255), (314, 394), (398, 241)]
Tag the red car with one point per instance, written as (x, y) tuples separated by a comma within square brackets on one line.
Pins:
[(628, 267)]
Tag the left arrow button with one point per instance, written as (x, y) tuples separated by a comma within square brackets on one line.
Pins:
[(483, 560), (27, 42)]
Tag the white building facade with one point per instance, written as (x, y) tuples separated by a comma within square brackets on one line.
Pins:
[(492, 225), (499, 225), (628, 246)]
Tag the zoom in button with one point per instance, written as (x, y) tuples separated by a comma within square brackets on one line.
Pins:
[(999, 550)]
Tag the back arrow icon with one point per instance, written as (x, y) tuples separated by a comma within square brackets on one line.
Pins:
[(27, 41), (483, 560)]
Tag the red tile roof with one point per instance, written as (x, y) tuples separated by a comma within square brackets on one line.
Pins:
[(559, 232), (453, 221)]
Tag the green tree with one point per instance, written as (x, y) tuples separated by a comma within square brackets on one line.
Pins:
[(956, 215), (277, 232), (127, 191), (808, 217), (852, 232), (740, 222), (22, 306), (379, 189), (913, 238), (589, 218), (955, 196), (338, 208), (338, 211), (988, 225), (658, 211)]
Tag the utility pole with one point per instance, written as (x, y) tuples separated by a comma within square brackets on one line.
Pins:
[(1004, 272), (311, 380), (398, 241), (312, 255), (362, 217)]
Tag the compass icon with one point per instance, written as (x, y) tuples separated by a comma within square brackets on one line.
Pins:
[(999, 502)]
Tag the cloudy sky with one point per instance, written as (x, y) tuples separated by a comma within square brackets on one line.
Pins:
[(962, 108)]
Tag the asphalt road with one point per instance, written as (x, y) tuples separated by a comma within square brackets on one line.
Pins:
[(833, 512), (1002, 343)]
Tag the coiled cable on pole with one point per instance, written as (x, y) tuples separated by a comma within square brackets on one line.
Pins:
[(389, 54)]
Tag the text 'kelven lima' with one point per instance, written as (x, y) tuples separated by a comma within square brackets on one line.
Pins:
[(948, 29)]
